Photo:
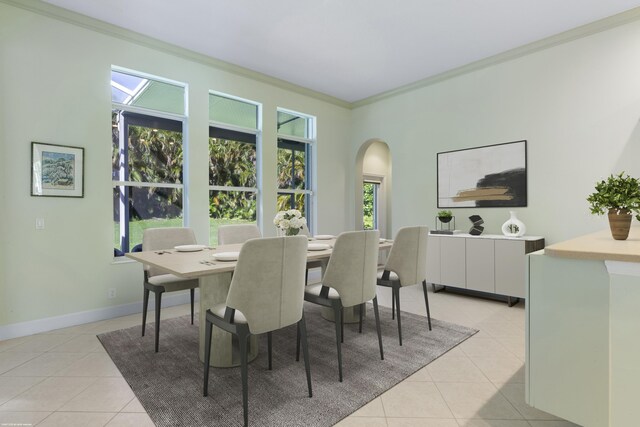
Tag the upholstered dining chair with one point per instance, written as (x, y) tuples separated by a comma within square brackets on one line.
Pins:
[(266, 294), (156, 280), (304, 231), (240, 233), (350, 280), (406, 266)]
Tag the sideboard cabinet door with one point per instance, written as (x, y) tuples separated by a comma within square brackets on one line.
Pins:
[(480, 265), (453, 262), (510, 268), (433, 259)]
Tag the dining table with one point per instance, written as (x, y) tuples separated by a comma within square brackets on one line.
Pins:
[(214, 277)]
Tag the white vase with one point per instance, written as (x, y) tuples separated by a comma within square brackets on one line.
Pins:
[(513, 227)]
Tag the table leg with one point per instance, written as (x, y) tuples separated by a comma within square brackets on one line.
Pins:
[(225, 351)]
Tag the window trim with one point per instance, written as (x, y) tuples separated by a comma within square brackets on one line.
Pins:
[(121, 184)]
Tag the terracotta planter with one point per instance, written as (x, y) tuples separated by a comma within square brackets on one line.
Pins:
[(620, 223)]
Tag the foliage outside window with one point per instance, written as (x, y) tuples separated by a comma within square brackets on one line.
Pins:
[(147, 157), (295, 142), (233, 136), (369, 205)]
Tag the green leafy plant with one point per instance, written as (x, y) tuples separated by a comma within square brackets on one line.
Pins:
[(445, 214), (618, 192)]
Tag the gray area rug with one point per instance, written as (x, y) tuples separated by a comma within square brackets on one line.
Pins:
[(169, 383)]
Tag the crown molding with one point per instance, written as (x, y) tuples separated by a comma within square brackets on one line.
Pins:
[(64, 15), (74, 18), (546, 43)]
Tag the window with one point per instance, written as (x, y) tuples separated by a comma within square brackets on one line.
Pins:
[(147, 156), (296, 136), (233, 139), (370, 204)]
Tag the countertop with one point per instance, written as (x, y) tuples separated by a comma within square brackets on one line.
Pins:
[(599, 246)]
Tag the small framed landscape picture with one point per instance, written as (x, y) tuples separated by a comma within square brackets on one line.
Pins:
[(57, 170)]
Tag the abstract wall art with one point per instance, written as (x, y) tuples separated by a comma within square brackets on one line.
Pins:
[(488, 176)]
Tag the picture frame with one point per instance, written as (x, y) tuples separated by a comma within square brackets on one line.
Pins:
[(57, 170), (487, 176)]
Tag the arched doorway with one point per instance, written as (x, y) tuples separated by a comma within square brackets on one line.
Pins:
[(373, 172)]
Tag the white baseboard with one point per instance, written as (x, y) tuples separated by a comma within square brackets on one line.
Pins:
[(31, 327)]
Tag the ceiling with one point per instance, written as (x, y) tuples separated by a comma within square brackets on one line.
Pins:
[(349, 49)]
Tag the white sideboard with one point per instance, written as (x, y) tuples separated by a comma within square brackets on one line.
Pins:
[(491, 263)]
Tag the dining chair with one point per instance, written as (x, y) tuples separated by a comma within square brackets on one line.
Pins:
[(304, 231), (155, 279), (350, 280), (266, 294), (406, 266), (240, 233)]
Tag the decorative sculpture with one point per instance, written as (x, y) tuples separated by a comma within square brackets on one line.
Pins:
[(477, 227)]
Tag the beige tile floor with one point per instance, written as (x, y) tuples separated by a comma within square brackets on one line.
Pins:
[(65, 378)]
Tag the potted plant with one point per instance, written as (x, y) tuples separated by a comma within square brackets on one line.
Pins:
[(619, 196), (445, 216)]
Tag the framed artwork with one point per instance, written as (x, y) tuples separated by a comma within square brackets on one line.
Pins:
[(483, 177), (57, 170)]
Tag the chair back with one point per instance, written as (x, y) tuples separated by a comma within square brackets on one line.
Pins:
[(154, 239), (268, 282), (304, 231), (408, 256), (232, 234), (353, 266)]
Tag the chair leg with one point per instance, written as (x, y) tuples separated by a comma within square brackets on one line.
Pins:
[(426, 301), (397, 292), (145, 305), (269, 348), (337, 311), (393, 303), (158, 305), (362, 308), (375, 310), (207, 357), (243, 338), (342, 325), (298, 343), (302, 327), (193, 296)]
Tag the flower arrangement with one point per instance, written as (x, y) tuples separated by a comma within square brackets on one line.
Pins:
[(291, 221)]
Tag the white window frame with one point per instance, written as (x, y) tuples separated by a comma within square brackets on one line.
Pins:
[(122, 183), (311, 189), (258, 133)]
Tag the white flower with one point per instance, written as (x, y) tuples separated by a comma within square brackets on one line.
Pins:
[(284, 224), (295, 222)]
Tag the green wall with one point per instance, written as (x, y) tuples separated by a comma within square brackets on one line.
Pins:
[(576, 103), (54, 87)]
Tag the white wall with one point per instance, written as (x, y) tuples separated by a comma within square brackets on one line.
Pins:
[(577, 104), (55, 88)]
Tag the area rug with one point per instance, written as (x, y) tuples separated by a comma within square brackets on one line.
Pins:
[(169, 383)]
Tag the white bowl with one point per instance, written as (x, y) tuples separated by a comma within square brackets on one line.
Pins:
[(324, 237), (189, 248), (226, 256), (318, 246)]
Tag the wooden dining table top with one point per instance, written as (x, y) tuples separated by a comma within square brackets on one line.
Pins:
[(193, 265)]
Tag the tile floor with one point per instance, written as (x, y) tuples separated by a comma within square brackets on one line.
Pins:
[(65, 378)]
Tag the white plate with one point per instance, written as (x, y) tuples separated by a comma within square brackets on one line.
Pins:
[(383, 240), (189, 248), (324, 237), (226, 256), (318, 246)]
